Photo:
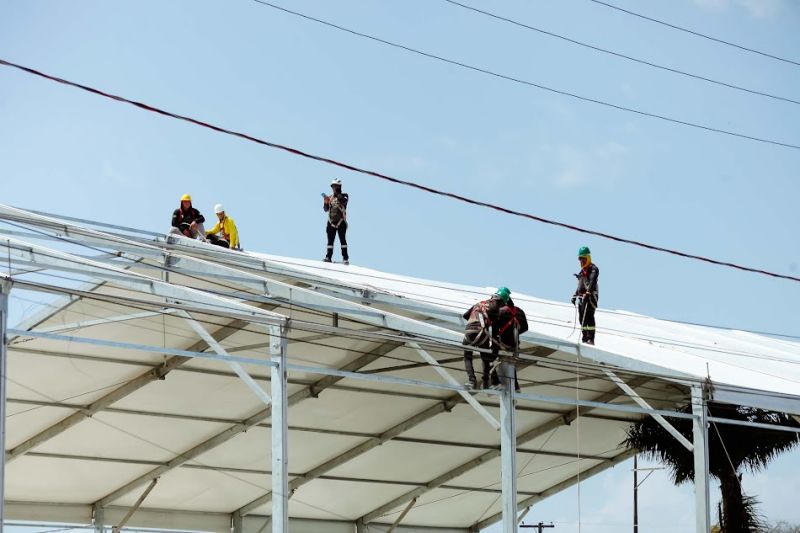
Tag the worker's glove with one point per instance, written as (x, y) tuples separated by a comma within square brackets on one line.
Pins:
[(572, 300)]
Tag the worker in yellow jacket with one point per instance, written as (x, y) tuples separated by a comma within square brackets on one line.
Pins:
[(224, 232)]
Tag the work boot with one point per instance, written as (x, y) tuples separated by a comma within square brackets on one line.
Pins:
[(326, 260), (346, 262), (471, 384)]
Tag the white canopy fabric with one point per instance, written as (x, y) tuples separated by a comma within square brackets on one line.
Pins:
[(91, 424)]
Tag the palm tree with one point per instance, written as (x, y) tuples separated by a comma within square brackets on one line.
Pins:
[(731, 449)]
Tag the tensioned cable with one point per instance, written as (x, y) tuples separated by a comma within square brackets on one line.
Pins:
[(549, 362), (696, 33), (525, 82), (621, 55), (196, 277), (182, 455), (537, 301), (554, 363), (406, 182)]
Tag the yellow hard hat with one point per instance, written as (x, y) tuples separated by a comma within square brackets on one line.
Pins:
[(186, 197)]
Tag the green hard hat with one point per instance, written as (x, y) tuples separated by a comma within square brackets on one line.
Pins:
[(584, 251), (504, 293)]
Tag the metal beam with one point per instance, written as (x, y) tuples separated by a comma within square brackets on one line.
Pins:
[(228, 434), (135, 507), (101, 321), (280, 433), (563, 420), (402, 516), (98, 519), (5, 290), (318, 471), (217, 347), (118, 394), (700, 435), (642, 403), (558, 487), (469, 398), (211, 468), (508, 449), (40, 256)]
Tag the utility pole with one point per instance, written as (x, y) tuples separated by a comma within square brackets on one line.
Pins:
[(539, 527), (636, 493), (636, 486)]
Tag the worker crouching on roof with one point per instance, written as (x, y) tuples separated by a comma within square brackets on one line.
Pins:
[(587, 293), (224, 232), (336, 207), (510, 324), (477, 333), (186, 220)]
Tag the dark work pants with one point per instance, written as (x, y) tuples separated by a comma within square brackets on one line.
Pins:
[(215, 239), (470, 337), (332, 230), (586, 310)]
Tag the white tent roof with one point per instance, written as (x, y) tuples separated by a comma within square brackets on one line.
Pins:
[(90, 424)]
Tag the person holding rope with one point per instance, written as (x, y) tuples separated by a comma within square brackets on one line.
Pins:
[(510, 324), (336, 207), (587, 293), (477, 333)]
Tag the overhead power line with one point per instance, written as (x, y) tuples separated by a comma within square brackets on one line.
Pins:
[(621, 55), (527, 82), (696, 33), (391, 179)]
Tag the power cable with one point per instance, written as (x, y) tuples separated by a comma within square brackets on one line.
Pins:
[(411, 184), (526, 82), (696, 33), (621, 55)]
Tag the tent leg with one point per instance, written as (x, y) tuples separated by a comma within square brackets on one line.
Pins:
[(280, 462), (236, 522), (508, 448), (5, 290), (99, 518), (700, 437)]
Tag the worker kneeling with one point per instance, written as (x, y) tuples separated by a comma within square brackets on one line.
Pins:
[(224, 232)]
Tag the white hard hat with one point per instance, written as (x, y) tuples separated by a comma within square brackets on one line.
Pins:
[(336, 181), (219, 208)]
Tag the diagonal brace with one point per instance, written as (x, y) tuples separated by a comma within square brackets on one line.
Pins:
[(451, 380), (135, 507), (217, 347), (657, 417)]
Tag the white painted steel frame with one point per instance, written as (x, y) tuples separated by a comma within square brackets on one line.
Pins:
[(5, 290), (701, 474), (280, 422), (41, 257)]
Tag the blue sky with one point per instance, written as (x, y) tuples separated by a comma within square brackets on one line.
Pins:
[(251, 68)]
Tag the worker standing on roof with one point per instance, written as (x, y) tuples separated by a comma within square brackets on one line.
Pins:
[(224, 232), (336, 207), (510, 324), (477, 333), (186, 220), (588, 293)]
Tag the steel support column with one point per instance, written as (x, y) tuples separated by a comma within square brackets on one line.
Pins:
[(508, 448), (700, 437), (98, 519), (5, 289), (280, 433)]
